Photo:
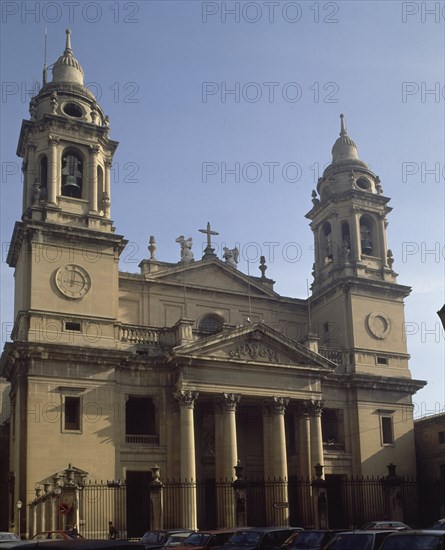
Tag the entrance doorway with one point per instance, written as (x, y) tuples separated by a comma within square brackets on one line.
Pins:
[(138, 503), (336, 511)]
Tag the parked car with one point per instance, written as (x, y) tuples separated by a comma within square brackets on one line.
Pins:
[(206, 539), (398, 525), (316, 539), (56, 535), (359, 540), (439, 525), (261, 538), (6, 536), (176, 539), (156, 539), (62, 544), (424, 539)]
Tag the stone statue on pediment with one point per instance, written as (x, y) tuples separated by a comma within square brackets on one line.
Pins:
[(186, 249), (231, 256)]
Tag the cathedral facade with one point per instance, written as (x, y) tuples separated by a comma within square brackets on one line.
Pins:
[(188, 366)]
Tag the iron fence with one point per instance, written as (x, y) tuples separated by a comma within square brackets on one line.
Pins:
[(351, 503)]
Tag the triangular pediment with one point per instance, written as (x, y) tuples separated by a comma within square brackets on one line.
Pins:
[(253, 344), (212, 274)]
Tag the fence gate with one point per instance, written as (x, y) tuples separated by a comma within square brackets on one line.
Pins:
[(100, 503), (138, 503)]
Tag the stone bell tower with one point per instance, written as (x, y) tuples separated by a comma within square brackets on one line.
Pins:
[(65, 245), (356, 302)]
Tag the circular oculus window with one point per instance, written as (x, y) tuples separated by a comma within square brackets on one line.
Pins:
[(379, 324), (73, 109), (363, 183)]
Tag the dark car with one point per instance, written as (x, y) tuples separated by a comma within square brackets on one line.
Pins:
[(6, 536), (56, 535), (358, 540), (424, 539), (83, 544), (261, 538), (397, 525), (156, 539), (316, 539), (176, 539), (439, 525), (206, 539)]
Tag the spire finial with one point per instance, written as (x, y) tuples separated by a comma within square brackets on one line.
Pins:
[(68, 40), (342, 129)]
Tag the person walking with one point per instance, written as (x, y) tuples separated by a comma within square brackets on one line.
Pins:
[(112, 531)]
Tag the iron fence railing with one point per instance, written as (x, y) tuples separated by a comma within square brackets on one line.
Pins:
[(351, 503)]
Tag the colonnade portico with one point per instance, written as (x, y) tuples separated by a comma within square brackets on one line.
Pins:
[(274, 451)]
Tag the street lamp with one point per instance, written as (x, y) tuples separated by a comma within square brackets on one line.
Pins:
[(19, 507)]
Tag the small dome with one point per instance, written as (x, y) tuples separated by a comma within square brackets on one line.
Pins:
[(344, 148), (67, 68)]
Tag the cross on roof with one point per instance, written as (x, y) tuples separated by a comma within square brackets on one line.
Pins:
[(209, 252)]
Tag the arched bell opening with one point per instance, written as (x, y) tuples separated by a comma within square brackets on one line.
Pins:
[(368, 237), (327, 246), (345, 240), (72, 173)]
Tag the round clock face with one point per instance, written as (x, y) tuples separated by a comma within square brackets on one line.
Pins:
[(73, 281), (379, 324)]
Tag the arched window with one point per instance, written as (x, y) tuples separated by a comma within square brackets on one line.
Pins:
[(72, 174), (100, 181), (345, 240), (327, 246), (366, 236)]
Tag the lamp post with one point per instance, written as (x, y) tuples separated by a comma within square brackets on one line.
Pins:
[(19, 508)]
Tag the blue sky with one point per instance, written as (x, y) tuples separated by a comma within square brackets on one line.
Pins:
[(163, 71)]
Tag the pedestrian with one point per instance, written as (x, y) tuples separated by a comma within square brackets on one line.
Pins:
[(112, 531), (73, 531)]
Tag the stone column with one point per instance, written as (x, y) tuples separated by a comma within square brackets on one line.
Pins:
[(305, 441), (54, 175), (94, 150), (186, 399), (354, 231), (29, 177), (226, 457), (382, 240), (336, 237), (316, 408), (277, 505), (106, 199)]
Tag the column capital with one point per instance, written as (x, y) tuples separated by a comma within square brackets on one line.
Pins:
[(53, 140), (227, 401), (316, 407), (186, 398), (94, 149), (276, 405)]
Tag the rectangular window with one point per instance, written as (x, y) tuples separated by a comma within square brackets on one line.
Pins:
[(441, 438), (72, 413), (387, 430), (382, 360), (72, 326)]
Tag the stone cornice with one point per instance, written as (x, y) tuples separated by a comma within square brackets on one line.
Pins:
[(30, 228), (354, 283), (373, 382)]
